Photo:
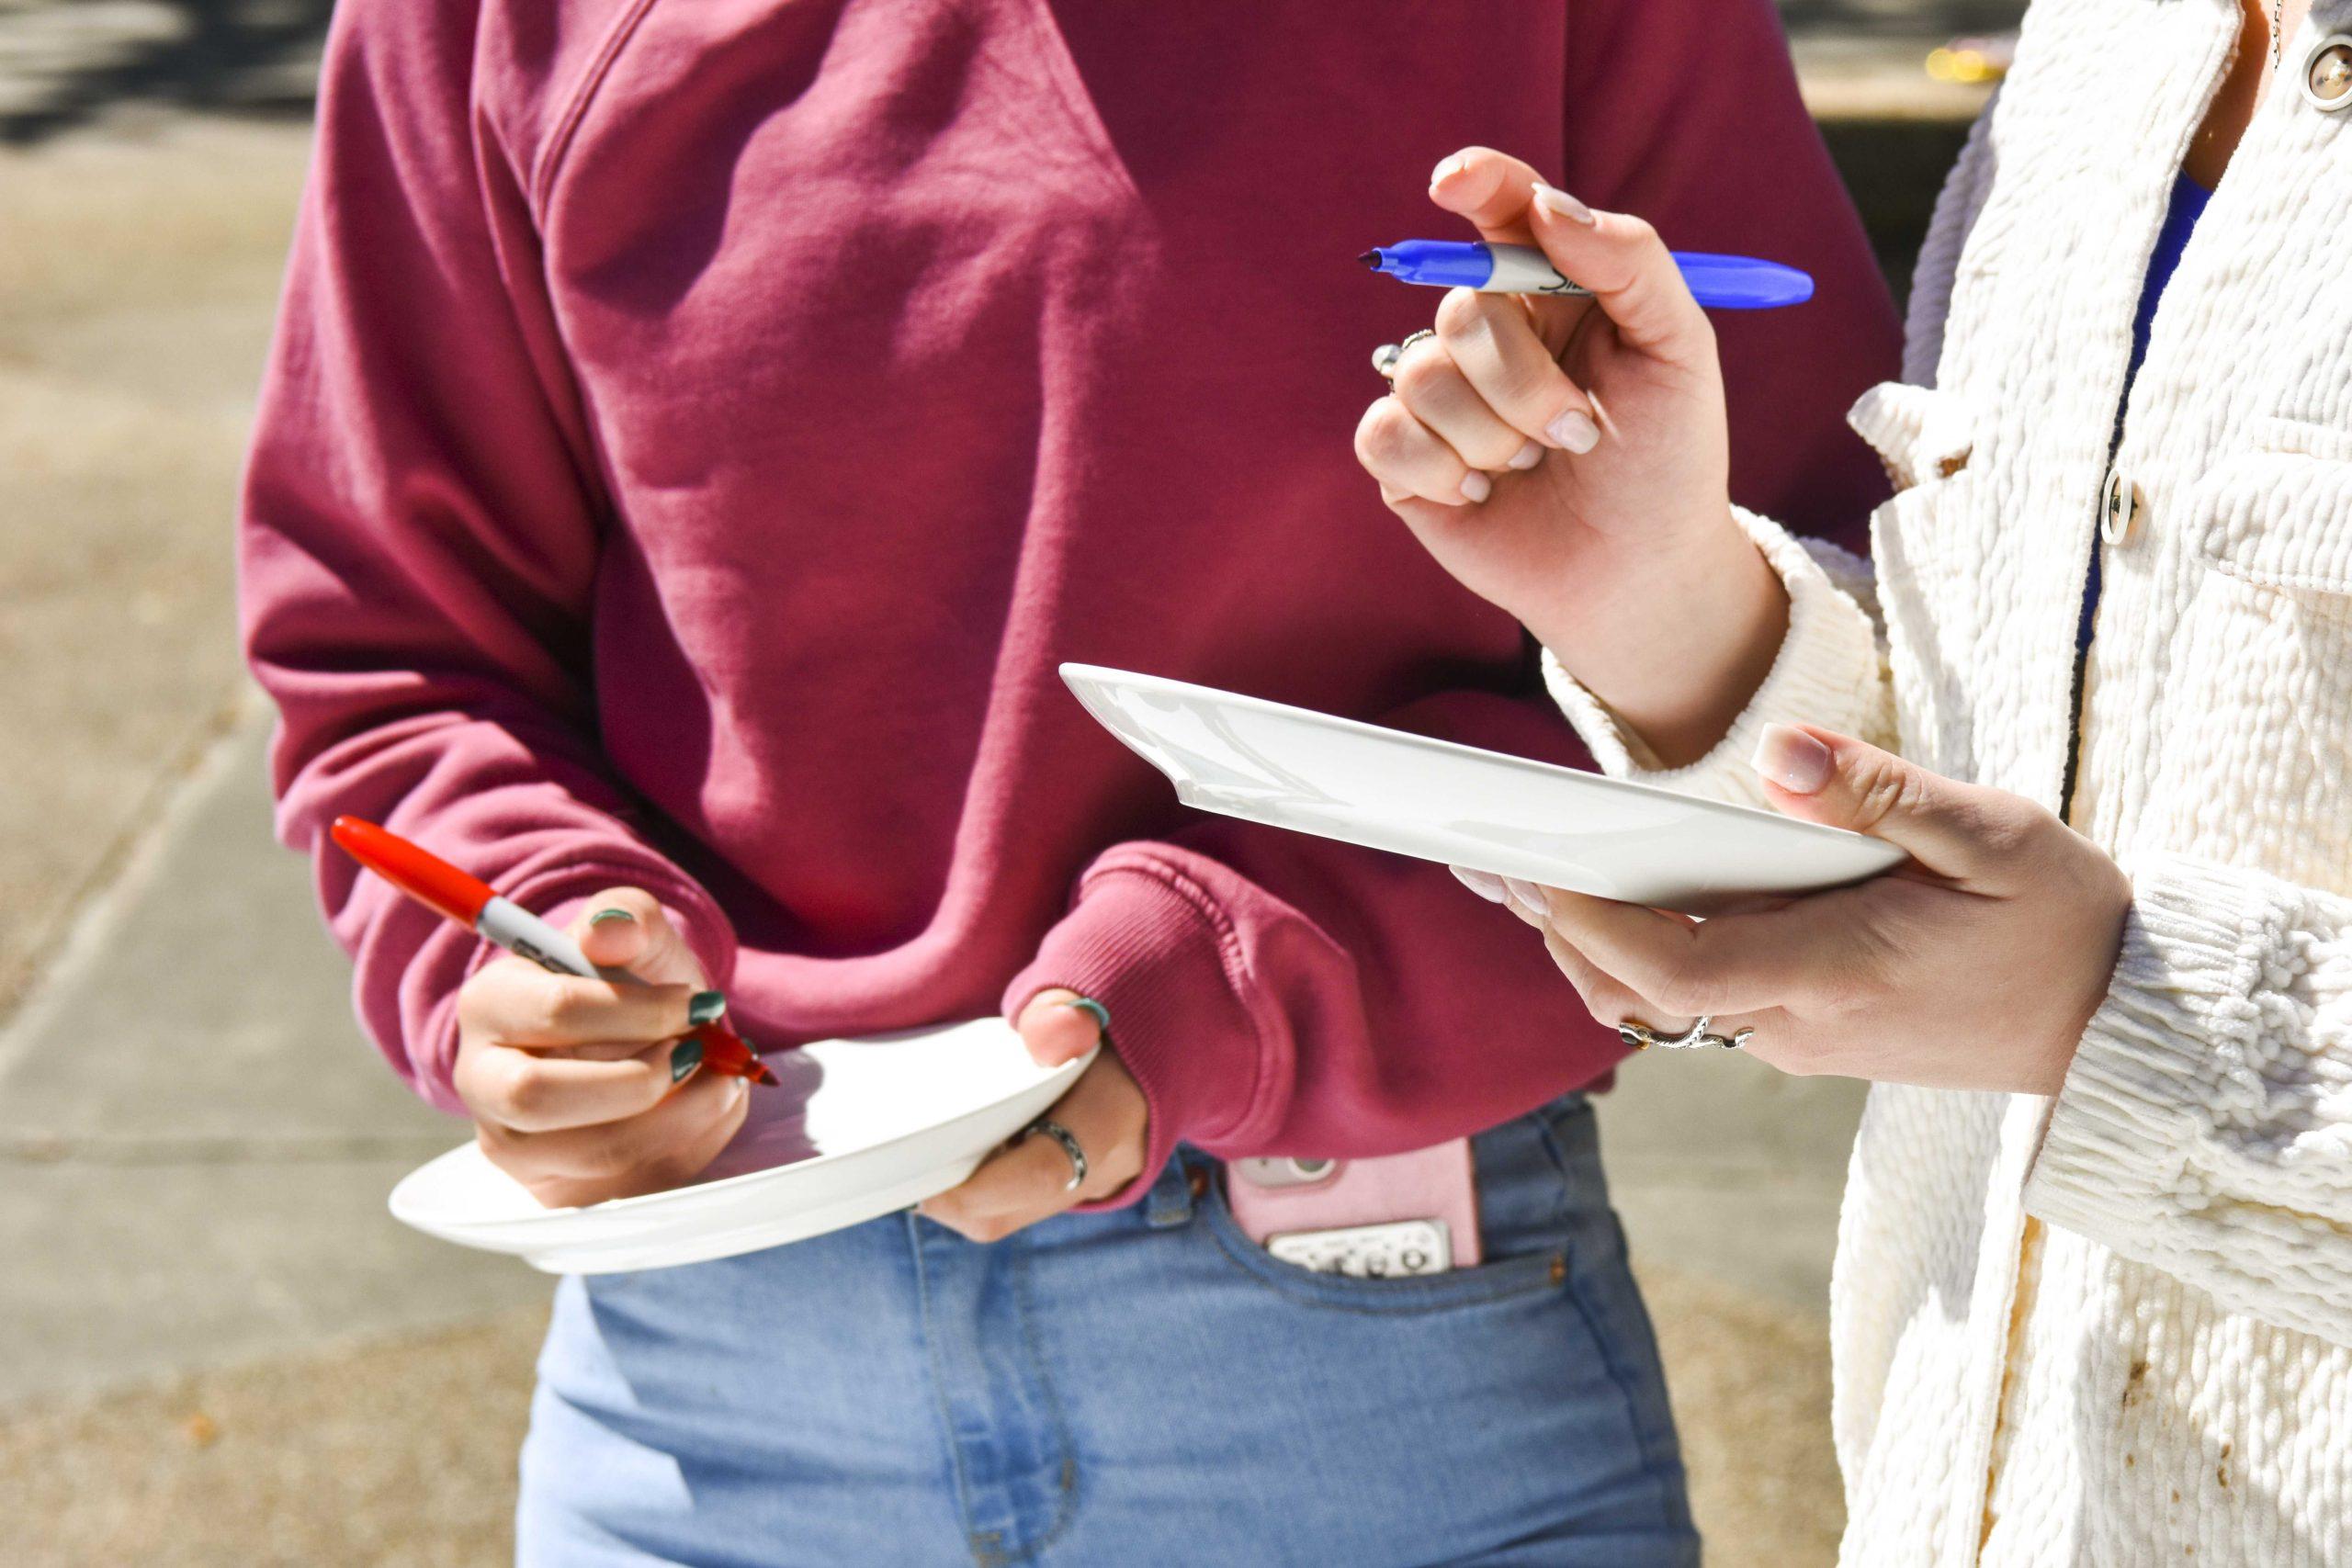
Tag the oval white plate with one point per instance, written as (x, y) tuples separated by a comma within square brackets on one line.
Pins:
[(857, 1129), (1294, 768)]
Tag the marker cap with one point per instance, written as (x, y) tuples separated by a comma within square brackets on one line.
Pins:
[(427, 878)]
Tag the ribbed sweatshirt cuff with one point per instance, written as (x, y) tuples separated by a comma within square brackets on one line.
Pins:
[(557, 895), (1160, 955), (1827, 673), (2161, 1061)]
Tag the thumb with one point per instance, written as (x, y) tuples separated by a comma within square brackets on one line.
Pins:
[(625, 928), (1491, 189), (1821, 776), (1058, 1025)]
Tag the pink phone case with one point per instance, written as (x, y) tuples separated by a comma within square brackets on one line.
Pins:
[(1437, 1183)]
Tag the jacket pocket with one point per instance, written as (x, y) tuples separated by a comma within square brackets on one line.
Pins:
[(2281, 518), (2258, 763)]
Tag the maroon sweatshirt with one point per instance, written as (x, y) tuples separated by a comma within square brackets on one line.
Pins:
[(696, 432)]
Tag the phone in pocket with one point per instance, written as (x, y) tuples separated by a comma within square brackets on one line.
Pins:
[(1411, 1214)]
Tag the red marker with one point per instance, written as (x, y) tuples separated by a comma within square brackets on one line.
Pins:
[(474, 904)]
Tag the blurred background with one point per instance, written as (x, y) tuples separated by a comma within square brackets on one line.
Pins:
[(215, 1347)]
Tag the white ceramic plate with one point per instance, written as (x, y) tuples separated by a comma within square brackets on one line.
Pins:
[(1360, 783), (857, 1129)]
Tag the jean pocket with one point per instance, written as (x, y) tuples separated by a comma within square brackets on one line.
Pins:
[(1524, 1219)]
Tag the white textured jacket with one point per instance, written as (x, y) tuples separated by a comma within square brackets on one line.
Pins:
[(2114, 1328)]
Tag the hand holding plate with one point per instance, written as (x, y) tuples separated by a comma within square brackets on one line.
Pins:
[(1975, 965)]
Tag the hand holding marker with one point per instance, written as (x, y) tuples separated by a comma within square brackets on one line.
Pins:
[(472, 903), (1557, 440)]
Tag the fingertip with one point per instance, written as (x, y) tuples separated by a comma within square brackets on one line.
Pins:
[(1485, 884), (1467, 180), (1792, 760), (1449, 169), (1527, 900), (1060, 1026), (1060, 1039), (622, 905), (1573, 431), (1553, 202), (612, 929)]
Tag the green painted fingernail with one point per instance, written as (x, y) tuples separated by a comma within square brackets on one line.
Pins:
[(707, 1007), (605, 917), (685, 1059), (1094, 1010)]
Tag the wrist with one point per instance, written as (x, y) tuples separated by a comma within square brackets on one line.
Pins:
[(1678, 642), (2098, 979), (1149, 941)]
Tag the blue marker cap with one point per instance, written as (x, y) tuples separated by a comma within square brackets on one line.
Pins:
[(1742, 283)]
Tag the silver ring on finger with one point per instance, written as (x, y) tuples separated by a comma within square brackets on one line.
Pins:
[(1640, 1036), (1068, 1141), (1384, 358)]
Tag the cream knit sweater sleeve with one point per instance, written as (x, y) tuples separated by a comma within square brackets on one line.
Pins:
[(1831, 670), (2205, 1127)]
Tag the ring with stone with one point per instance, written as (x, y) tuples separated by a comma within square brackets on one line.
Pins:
[(1385, 357)]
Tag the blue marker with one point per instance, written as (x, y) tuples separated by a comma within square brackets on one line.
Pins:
[(1720, 283)]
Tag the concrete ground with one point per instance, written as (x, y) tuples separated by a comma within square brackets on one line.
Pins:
[(136, 274), (219, 1349)]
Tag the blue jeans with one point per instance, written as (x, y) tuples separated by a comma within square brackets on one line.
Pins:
[(1132, 1388)]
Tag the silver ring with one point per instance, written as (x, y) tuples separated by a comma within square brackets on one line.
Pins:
[(1639, 1036), (1068, 1141), (1385, 357)]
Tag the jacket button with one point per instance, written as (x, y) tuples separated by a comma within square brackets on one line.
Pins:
[(2120, 508), (2327, 74)]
